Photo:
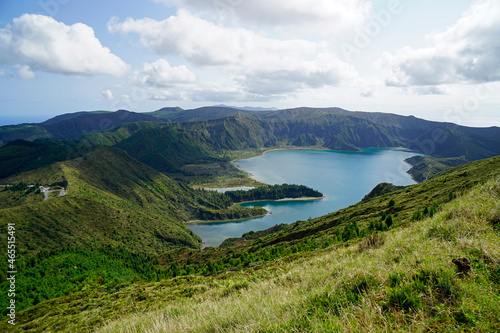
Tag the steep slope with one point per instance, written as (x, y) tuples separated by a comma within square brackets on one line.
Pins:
[(167, 149), (411, 203), (424, 167), (110, 199), (21, 155), (119, 133)]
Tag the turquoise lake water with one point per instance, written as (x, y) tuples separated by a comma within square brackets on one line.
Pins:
[(343, 177)]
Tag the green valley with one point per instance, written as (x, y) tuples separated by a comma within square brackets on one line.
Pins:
[(399, 247), (100, 202)]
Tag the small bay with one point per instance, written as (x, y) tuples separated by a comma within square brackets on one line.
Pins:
[(343, 177)]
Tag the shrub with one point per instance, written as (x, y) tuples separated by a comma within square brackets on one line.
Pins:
[(389, 221)]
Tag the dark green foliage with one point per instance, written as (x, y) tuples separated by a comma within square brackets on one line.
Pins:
[(274, 192), (229, 214), (167, 149), (381, 189), (351, 231), (51, 274), (20, 155), (327, 303), (425, 287), (404, 297), (428, 211), (424, 167), (389, 221)]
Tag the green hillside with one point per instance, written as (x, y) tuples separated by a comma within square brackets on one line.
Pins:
[(385, 264), (105, 222), (424, 167), (171, 138), (21, 155), (167, 149), (335, 129), (108, 193), (72, 126)]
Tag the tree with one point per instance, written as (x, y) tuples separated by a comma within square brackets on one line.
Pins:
[(389, 221)]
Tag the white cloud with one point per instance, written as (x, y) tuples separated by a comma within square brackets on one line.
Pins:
[(467, 52), (45, 44), (25, 72), (260, 65), (320, 16), (161, 74), (108, 95)]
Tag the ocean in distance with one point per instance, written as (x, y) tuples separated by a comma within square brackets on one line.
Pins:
[(343, 177)]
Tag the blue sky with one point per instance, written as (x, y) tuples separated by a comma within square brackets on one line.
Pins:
[(434, 60)]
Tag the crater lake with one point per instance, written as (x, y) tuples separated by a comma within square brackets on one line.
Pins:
[(343, 177)]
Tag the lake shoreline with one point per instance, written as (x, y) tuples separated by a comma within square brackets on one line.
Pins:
[(343, 177), (279, 200), (256, 216), (225, 221)]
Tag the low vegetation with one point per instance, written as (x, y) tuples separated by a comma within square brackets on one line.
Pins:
[(401, 259), (404, 279)]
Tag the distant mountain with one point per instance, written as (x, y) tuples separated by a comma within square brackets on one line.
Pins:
[(67, 116), (205, 133), (248, 108), (72, 126)]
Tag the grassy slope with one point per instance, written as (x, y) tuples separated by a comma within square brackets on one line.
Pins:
[(406, 282), (111, 199), (402, 279), (424, 167)]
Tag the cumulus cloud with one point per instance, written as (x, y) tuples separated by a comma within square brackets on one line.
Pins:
[(45, 44), (467, 52), (261, 65), (108, 95), (320, 16), (161, 74)]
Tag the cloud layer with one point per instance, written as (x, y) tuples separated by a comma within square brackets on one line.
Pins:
[(467, 52), (320, 16), (40, 43), (259, 64)]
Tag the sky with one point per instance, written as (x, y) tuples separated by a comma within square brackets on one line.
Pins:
[(437, 60)]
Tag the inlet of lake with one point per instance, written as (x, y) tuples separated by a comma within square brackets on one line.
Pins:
[(343, 177)]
